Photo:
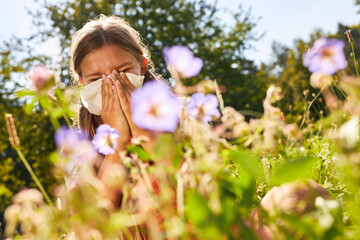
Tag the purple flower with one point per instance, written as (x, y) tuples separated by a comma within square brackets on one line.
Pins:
[(74, 145), (204, 107), (65, 137), (182, 60), (105, 139), (155, 108), (325, 56)]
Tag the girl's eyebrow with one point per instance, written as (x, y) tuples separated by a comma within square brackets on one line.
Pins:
[(97, 74)]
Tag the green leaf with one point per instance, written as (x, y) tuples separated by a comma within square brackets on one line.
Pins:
[(142, 154), (299, 225), (28, 108), (196, 207), (54, 157), (293, 170), (45, 103), (70, 113), (24, 92), (177, 157), (248, 162), (57, 113), (4, 190), (228, 214), (166, 148)]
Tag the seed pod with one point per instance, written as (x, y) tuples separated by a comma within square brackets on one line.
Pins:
[(13, 137), (349, 36)]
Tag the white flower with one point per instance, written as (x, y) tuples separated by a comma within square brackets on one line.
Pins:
[(348, 133)]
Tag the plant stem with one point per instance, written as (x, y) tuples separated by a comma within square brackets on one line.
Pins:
[(341, 91), (180, 195), (67, 121), (219, 96), (356, 68), (308, 108), (36, 180)]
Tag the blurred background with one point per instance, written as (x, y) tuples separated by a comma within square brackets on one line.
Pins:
[(245, 45)]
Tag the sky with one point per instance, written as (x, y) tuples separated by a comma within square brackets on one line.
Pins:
[(280, 20)]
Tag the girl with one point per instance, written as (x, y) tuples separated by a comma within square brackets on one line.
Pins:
[(108, 49)]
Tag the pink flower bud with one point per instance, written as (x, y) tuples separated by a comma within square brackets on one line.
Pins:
[(40, 75), (319, 80)]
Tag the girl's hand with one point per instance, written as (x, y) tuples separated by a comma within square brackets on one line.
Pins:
[(124, 88), (112, 112)]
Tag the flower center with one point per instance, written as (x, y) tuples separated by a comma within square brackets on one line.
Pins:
[(108, 140), (154, 111), (201, 110), (327, 53)]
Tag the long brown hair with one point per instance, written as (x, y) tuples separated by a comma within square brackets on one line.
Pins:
[(93, 35)]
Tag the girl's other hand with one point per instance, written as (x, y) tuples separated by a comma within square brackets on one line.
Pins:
[(112, 112), (124, 88)]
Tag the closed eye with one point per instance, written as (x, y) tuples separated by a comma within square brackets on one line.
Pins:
[(124, 70), (94, 79)]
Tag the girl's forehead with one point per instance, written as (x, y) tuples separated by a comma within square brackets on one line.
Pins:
[(105, 58), (109, 52)]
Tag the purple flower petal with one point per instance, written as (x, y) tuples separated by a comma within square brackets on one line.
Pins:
[(68, 136), (211, 101), (326, 56), (155, 108), (74, 145), (203, 107), (182, 60), (105, 139)]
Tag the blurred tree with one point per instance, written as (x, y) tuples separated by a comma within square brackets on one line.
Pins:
[(195, 24)]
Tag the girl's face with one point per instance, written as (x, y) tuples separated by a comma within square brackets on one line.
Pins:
[(107, 58)]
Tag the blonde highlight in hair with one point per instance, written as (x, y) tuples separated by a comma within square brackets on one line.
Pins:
[(105, 30)]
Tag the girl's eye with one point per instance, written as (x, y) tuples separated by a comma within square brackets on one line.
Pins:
[(94, 79), (124, 70)]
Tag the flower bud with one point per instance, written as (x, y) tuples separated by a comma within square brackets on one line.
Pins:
[(40, 76), (290, 130), (348, 133), (12, 213), (31, 196), (319, 80), (13, 137), (349, 36)]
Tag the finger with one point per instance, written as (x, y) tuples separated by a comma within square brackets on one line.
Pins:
[(114, 104), (120, 90), (104, 93), (116, 78), (113, 100), (123, 99), (125, 106), (127, 82), (113, 77), (109, 91), (125, 87)]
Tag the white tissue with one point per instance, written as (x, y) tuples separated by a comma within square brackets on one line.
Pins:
[(91, 94)]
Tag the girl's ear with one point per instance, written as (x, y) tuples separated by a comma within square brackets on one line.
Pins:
[(81, 81), (144, 66)]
